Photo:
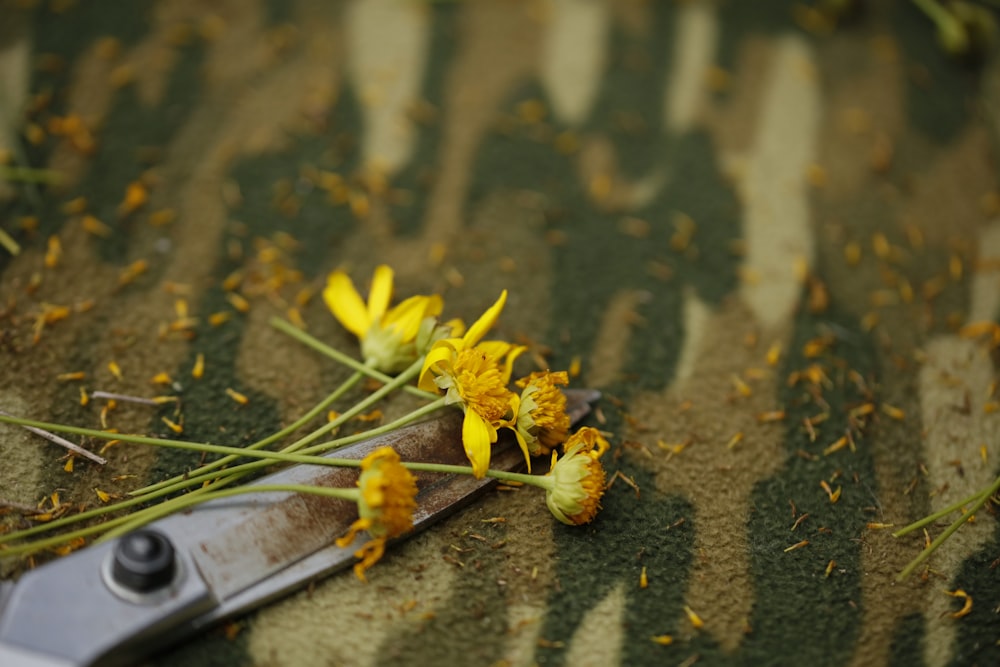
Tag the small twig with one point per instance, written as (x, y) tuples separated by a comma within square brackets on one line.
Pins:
[(125, 398), (63, 442), (9, 244), (20, 507)]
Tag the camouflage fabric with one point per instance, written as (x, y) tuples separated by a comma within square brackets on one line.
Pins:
[(773, 245)]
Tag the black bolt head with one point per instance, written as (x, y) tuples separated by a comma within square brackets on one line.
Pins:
[(144, 561)]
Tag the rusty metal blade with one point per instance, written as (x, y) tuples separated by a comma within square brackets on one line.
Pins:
[(255, 547)]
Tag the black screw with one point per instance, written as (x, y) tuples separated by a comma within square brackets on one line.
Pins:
[(143, 561)]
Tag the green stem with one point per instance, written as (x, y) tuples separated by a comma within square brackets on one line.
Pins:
[(541, 481), (949, 531), (342, 358), (183, 502), (9, 244), (174, 444), (240, 471), (419, 413), (260, 444), (28, 175), (129, 523), (931, 518), (231, 475)]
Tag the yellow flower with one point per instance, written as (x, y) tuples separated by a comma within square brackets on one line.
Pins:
[(542, 421), (390, 338), (385, 506), (576, 481), (475, 375)]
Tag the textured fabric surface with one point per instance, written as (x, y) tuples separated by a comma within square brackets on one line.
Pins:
[(761, 239)]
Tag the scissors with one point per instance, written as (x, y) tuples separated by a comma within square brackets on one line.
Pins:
[(116, 602)]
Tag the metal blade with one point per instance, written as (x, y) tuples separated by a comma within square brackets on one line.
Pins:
[(250, 538), (231, 555), (291, 539)]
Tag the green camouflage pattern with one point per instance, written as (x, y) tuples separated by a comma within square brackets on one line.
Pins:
[(765, 238)]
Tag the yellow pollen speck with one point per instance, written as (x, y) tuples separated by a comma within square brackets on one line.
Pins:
[(238, 302), (199, 367), (75, 206), (643, 579), (662, 640), (69, 464), (574, 367), (829, 568), (771, 416), (966, 608), (84, 398), (133, 271), (295, 317), (135, 197), (92, 225), (54, 252), (735, 440), (774, 354), (852, 253), (237, 396), (67, 377), (955, 267), (162, 217), (161, 378), (220, 318), (115, 369), (104, 496), (836, 446), (694, 618), (893, 412), (833, 495), (173, 426), (797, 545)]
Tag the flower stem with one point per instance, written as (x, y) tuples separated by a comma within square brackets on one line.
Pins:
[(949, 531), (238, 472), (229, 476), (175, 444), (29, 175), (541, 481), (129, 523), (182, 502), (342, 358), (931, 518), (260, 444)]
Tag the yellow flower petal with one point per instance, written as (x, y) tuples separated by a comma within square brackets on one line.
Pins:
[(442, 351), (476, 438), (406, 317), (508, 366), (381, 293), (345, 303), (494, 349), (485, 322)]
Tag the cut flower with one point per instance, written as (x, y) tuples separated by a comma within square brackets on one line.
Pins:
[(475, 375), (542, 422), (385, 506), (390, 338), (576, 482)]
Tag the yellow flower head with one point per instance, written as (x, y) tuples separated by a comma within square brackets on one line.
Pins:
[(385, 507), (542, 421), (578, 478), (390, 338), (475, 375)]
